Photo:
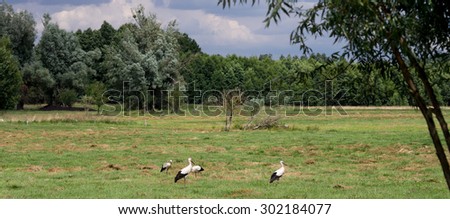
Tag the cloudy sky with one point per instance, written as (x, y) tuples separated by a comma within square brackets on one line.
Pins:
[(238, 30)]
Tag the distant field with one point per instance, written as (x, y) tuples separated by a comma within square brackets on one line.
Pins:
[(369, 153)]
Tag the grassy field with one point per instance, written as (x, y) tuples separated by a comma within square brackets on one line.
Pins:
[(370, 153)]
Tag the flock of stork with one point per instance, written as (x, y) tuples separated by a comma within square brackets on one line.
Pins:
[(183, 173)]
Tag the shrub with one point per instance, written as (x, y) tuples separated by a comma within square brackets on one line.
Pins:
[(269, 122), (67, 97)]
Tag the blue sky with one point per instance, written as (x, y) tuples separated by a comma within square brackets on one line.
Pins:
[(238, 30)]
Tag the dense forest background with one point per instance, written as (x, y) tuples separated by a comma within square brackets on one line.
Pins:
[(157, 63)]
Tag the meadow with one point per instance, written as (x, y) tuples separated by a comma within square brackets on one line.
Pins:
[(370, 153)]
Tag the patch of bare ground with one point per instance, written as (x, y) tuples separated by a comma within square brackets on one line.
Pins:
[(308, 151), (37, 168), (278, 149), (399, 149), (216, 170), (10, 138), (31, 147), (61, 170), (247, 148), (60, 149), (310, 162), (114, 167), (34, 168), (100, 146), (297, 174), (192, 138), (106, 166), (148, 167), (214, 149), (368, 164), (412, 167), (245, 175), (393, 153), (355, 147)]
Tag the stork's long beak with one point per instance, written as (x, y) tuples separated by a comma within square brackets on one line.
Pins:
[(192, 162), (285, 164)]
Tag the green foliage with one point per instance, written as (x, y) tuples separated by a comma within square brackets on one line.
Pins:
[(292, 80), (147, 56), (187, 44), (409, 33), (96, 92), (89, 39), (60, 52), (145, 59), (20, 28), (38, 82), (67, 97), (10, 77), (96, 39)]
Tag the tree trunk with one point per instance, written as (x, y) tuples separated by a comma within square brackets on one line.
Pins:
[(427, 114), (429, 90), (23, 96), (436, 107), (20, 105), (228, 109), (232, 98), (229, 120)]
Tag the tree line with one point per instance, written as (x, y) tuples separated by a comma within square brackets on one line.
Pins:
[(146, 59)]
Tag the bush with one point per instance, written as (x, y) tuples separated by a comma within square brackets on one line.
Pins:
[(67, 97), (269, 122), (94, 94)]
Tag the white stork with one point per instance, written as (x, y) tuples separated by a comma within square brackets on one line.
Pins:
[(197, 169), (278, 173), (184, 172), (166, 166)]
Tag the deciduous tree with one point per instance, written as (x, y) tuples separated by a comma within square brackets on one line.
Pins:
[(10, 77), (409, 33)]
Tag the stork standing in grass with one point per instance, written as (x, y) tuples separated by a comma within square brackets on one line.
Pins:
[(278, 173), (166, 166), (184, 172), (197, 169)]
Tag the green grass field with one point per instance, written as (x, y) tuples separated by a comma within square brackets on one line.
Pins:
[(370, 153)]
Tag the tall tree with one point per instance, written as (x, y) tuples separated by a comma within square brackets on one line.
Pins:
[(108, 34), (60, 53), (410, 33), (20, 28), (37, 81), (10, 77), (187, 44), (146, 59)]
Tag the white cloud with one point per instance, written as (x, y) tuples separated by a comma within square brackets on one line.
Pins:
[(229, 31), (216, 29), (219, 30), (116, 12)]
